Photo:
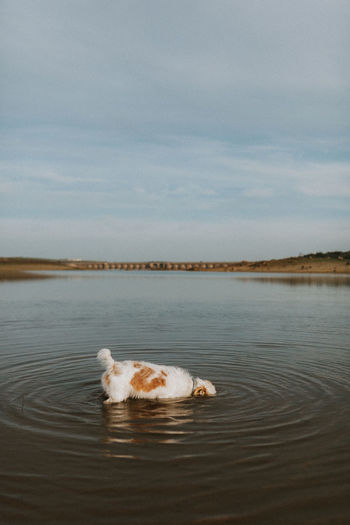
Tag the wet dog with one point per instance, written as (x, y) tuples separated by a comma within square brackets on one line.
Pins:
[(138, 379)]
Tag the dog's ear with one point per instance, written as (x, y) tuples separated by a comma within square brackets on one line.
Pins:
[(200, 391)]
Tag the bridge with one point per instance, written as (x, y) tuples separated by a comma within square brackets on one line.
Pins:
[(151, 265)]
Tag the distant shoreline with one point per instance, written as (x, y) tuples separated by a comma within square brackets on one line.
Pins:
[(22, 268)]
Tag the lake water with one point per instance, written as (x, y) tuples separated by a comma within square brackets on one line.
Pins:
[(272, 447)]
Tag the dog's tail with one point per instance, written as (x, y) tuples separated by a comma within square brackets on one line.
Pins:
[(105, 358)]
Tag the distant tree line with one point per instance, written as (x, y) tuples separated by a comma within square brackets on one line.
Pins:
[(329, 255)]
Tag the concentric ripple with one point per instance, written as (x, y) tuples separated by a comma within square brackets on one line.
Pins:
[(261, 401), (48, 395), (272, 443)]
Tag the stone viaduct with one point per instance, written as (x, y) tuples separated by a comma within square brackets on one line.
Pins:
[(153, 265)]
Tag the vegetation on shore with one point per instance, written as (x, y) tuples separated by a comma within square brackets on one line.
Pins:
[(329, 262), (20, 268)]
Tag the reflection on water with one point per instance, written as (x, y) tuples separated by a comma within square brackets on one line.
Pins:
[(296, 280), (271, 447), (142, 421)]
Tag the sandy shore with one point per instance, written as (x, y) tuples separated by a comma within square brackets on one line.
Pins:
[(18, 269)]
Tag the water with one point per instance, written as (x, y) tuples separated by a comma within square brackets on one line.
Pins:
[(271, 447)]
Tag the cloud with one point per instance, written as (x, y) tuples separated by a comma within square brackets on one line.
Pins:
[(259, 193), (177, 179), (325, 180), (176, 114), (244, 67)]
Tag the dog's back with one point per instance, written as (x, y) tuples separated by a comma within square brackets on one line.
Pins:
[(140, 379)]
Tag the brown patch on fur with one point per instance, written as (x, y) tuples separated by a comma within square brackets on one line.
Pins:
[(137, 365), (115, 370), (164, 373), (141, 381), (200, 391), (107, 379)]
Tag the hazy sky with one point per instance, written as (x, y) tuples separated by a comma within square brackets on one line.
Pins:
[(162, 129)]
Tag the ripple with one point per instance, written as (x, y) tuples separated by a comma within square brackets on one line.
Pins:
[(279, 406), (257, 396), (48, 396)]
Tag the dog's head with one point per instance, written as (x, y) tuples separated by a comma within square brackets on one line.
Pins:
[(203, 387)]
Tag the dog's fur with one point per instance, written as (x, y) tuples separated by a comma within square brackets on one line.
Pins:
[(138, 379)]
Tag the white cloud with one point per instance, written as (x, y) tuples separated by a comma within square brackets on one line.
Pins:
[(174, 113), (325, 180), (259, 193), (244, 66)]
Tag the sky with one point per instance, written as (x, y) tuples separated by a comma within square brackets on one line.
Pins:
[(163, 130)]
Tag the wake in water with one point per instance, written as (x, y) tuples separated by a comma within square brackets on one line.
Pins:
[(138, 379)]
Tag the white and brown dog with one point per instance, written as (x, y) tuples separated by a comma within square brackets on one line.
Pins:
[(138, 379)]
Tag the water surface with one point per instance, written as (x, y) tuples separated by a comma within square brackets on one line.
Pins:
[(271, 447)]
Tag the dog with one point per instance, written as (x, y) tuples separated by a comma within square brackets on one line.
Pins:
[(138, 379)]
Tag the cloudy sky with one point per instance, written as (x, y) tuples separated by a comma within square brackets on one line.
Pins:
[(187, 129)]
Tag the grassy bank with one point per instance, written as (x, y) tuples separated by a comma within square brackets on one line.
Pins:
[(330, 262)]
